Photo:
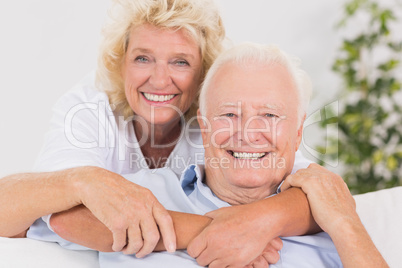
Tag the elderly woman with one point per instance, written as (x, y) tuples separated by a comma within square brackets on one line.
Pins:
[(127, 117)]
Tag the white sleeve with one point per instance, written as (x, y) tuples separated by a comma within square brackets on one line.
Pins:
[(77, 135), (39, 230), (300, 162)]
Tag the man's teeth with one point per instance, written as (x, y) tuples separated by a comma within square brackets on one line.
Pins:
[(153, 97), (248, 155)]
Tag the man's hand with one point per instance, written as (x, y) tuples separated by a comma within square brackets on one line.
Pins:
[(328, 195), (232, 239), (129, 211), (269, 256), (238, 235)]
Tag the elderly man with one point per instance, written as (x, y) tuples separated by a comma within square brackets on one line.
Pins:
[(251, 128)]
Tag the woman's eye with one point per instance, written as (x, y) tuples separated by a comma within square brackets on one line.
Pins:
[(182, 63), (141, 59)]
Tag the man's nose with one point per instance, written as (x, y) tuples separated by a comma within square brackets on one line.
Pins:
[(254, 130), (160, 76)]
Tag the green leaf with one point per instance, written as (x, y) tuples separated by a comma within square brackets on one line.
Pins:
[(392, 163), (377, 156), (389, 65)]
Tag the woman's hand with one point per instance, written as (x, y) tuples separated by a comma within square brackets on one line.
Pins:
[(330, 200), (334, 210), (129, 211)]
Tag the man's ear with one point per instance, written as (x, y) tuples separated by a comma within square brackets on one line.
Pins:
[(300, 133), (203, 125)]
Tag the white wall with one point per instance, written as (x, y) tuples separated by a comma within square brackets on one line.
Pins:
[(47, 46)]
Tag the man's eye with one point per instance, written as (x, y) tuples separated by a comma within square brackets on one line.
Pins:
[(141, 59), (269, 115), (230, 115)]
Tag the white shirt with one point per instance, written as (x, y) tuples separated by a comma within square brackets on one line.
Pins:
[(84, 131)]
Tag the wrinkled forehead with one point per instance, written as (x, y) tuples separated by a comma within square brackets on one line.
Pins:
[(258, 86)]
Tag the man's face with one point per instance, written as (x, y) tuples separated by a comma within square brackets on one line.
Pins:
[(250, 133)]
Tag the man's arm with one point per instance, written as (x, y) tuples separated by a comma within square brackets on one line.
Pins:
[(80, 226), (286, 214)]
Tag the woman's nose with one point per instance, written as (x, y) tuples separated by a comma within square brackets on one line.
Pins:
[(160, 77)]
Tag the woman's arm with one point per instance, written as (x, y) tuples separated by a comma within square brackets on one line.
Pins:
[(26, 197), (334, 209), (129, 211)]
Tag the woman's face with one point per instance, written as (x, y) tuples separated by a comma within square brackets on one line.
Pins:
[(161, 72)]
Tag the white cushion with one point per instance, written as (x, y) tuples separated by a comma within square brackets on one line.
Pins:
[(381, 214), (24, 252)]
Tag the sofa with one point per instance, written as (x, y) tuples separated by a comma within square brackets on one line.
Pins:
[(380, 211)]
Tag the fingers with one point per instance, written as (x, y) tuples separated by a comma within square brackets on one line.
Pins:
[(302, 176), (205, 259), (144, 237), (260, 262), (166, 227), (135, 240), (271, 251), (150, 235), (271, 256), (197, 246), (119, 240), (294, 180), (277, 244)]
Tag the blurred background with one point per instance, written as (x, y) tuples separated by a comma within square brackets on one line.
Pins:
[(48, 46)]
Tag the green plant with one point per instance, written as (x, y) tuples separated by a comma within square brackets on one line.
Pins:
[(369, 147)]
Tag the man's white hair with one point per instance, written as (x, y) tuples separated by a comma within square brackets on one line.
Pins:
[(264, 55)]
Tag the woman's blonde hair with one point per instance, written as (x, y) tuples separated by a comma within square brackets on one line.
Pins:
[(200, 18)]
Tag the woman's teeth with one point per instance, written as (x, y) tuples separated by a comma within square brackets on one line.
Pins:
[(159, 98), (252, 156)]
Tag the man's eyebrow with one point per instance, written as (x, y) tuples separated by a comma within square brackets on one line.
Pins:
[(221, 106), (273, 106), (228, 104)]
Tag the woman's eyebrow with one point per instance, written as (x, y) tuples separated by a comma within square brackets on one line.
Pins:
[(184, 55), (141, 50)]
